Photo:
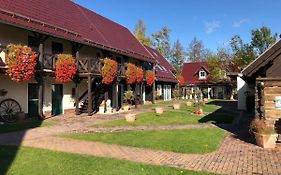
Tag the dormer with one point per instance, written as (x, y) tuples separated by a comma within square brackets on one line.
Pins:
[(202, 74)]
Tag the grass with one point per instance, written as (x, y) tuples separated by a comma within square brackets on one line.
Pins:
[(198, 141), (38, 161), (28, 124), (171, 118), (206, 108)]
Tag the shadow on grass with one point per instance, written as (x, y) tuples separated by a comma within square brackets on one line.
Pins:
[(13, 135), (226, 118)]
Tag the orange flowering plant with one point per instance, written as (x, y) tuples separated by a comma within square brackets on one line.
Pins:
[(65, 68), (139, 75), (109, 71), (181, 80), (21, 62), (150, 77), (131, 73)]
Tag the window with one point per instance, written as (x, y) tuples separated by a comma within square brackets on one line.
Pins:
[(202, 74), (57, 48), (33, 43)]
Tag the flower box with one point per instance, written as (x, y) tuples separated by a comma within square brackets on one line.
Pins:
[(130, 118), (159, 110), (176, 106), (266, 141), (189, 103)]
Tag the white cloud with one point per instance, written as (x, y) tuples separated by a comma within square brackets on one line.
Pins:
[(211, 27), (240, 22)]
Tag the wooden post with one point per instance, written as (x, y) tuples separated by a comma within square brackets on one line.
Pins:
[(105, 100), (77, 85), (115, 97), (90, 97), (41, 83), (154, 87)]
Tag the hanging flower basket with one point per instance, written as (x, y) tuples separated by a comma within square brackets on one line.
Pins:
[(139, 75), (65, 68), (131, 73), (181, 80), (109, 71), (150, 78), (21, 62)]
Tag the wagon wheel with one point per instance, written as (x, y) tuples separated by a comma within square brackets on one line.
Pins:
[(8, 110)]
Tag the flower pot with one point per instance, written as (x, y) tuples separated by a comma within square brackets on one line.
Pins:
[(266, 140), (126, 107), (130, 118), (176, 106), (189, 103), (159, 110), (206, 100)]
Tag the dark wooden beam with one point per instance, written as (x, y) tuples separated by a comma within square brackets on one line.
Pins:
[(41, 83), (90, 97), (154, 86), (77, 87), (105, 100)]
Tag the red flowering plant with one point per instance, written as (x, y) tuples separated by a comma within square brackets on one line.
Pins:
[(65, 68), (150, 77), (109, 71), (131, 73), (181, 80), (139, 75), (21, 62)]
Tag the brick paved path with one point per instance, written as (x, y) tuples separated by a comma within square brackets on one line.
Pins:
[(234, 156)]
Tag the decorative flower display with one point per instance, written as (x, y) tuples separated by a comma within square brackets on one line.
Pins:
[(109, 71), (65, 68), (131, 73), (181, 80), (21, 62), (150, 77), (139, 75)]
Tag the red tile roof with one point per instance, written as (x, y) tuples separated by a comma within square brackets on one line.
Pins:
[(190, 72), (163, 68), (65, 19)]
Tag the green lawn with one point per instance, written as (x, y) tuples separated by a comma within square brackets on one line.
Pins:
[(171, 118), (184, 141), (28, 124), (37, 161)]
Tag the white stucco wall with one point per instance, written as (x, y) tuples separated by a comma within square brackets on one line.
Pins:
[(17, 91), (242, 87)]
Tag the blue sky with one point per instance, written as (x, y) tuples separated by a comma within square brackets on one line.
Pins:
[(212, 21)]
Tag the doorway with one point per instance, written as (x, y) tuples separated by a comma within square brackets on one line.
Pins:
[(33, 94), (57, 95)]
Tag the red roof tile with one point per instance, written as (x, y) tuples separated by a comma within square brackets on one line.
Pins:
[(163, 68), (65, 19), (190, 72)]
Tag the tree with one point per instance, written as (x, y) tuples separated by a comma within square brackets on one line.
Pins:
[(140, 33), (243, 53), (262, 39), (196, 51), (217, 69), (161, 41), (178, 56)]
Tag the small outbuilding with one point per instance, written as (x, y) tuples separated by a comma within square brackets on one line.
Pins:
[(259, 86)]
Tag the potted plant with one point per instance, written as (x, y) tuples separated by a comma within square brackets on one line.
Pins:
[(129, 97), (159, 110), (265, 136), (199, 106), (130, 118)]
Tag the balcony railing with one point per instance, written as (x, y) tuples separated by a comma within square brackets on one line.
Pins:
[(89, 65)]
